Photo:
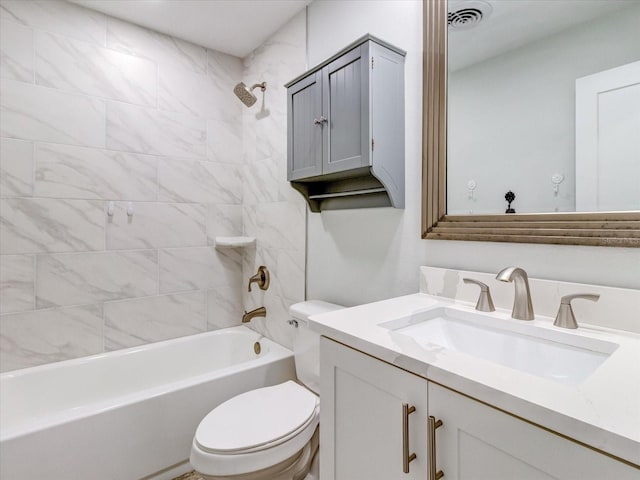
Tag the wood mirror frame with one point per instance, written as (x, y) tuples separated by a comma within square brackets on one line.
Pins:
[(613, 229)]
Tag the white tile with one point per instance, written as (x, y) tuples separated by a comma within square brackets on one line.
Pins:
[(80, 67), (260, 182), (165, 50), (225, 72), (154, 225), (224, 139), (201, 268), (250, 220), (16, 168), (36, 338), (58, 17), (199, 181), (144, 130), (82, 278), (31, 112), (281, 225), (224, 221), (135, 322), (64, 171), (16, 283), (16, 52), (224, 307), (271, 138), (184, 91), (290, 274), (50, 225)]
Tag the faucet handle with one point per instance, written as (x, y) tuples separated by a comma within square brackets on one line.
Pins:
[(565, 317), (485, 302)]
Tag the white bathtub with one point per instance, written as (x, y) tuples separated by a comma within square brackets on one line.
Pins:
[(128, 414)]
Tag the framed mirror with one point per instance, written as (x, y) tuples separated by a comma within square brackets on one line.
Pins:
[(540, 102)]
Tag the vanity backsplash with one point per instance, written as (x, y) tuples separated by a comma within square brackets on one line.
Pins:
[(617, 308)]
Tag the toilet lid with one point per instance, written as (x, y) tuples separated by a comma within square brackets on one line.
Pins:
[(258, 418)]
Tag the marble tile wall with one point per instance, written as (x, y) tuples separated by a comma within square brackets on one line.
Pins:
[(272, 211), (95, 110)]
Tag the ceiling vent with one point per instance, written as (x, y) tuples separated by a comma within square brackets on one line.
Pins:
[(467, 14)]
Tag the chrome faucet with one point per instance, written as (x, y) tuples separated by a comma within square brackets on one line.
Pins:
[(522, 306), (258, 312)]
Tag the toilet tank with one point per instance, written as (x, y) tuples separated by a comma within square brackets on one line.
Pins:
[(306, 344)]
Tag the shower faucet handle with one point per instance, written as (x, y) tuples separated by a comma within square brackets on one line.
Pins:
[(261, 278), (320, 121), (485, 302)]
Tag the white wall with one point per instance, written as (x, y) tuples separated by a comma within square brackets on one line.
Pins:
[(357, 256), (512, 117)]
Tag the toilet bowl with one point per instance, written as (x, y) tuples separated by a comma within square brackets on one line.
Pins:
[(269, 433)]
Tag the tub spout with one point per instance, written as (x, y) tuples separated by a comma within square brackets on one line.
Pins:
[(258, 312)]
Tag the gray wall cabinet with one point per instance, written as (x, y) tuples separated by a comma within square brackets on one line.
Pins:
[(346, 129)]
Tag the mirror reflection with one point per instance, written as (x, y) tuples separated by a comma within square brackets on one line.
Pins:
[(543, 106)]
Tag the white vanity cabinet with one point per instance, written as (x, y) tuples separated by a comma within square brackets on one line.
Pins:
[(478, 442), (362, 417), (362, 431)]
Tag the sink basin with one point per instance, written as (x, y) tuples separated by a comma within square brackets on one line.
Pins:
[(549, 353)]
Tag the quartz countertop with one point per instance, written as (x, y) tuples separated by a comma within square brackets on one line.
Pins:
[(602, 412)]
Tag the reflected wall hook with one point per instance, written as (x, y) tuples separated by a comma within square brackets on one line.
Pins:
[(510, 197), (556, 179)]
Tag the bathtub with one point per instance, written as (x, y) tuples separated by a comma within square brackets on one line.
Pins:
[(128, 414)]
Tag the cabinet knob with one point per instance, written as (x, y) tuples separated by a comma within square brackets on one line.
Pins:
[(320, 121)]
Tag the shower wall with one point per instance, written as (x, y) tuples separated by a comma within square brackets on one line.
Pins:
[(272, 211), (95, 110)]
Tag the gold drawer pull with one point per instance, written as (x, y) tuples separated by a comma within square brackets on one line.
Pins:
[(406, 457), (434, 474)]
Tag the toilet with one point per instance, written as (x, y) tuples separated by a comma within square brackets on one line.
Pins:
[(269, 433)]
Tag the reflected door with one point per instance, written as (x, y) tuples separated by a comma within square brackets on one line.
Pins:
[(608, 140)]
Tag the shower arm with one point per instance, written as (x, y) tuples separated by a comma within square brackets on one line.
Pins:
[(263, 86)]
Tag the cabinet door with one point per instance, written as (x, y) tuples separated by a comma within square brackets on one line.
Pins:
[(478, 442), (346, 107), (304, 105), (361, 417)]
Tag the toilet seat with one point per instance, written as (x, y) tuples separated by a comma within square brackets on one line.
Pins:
[(255, 430)]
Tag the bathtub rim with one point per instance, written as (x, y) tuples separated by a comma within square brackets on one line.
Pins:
[(275, 352)]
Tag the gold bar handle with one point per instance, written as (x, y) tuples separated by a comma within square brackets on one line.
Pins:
[(434, 474), (406, 457)]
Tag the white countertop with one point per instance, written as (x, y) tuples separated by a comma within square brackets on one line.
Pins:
[(602, 412)]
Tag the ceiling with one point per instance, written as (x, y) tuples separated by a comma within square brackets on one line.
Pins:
[(513, 24), (235, 27)]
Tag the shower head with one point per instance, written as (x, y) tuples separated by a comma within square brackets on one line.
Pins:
[(245, 95)]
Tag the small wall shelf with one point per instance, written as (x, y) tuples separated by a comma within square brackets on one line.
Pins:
[(234, 242)]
